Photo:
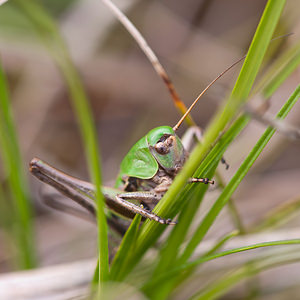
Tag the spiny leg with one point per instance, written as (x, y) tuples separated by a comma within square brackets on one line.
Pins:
[(201, 180), (123, 198), (192, 135)]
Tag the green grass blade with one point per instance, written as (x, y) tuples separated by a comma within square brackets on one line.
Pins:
[(122, 258), (219, 244), (168, 275), (209, 257), (13, 166), (4, 210), (279, 71), (249, 269), (234, 213), (278, 216), (192, 198), (49, 34), (249, 70), (285, 71), (237, 178), (169, 252), (258, 49)]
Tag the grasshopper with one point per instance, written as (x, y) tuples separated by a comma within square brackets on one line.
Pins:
[(146, 173), (148, 169)]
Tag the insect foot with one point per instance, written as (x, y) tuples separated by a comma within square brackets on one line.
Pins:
[(153, 216), (161, 220), (202, 180), (223, 161), (169, 222)]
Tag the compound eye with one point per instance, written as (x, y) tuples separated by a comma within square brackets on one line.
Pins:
[(161, 148)]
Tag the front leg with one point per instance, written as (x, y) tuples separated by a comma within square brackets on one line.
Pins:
[(124, 198), (192, 135)]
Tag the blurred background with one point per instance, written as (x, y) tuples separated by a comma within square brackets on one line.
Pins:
[(195, 40)]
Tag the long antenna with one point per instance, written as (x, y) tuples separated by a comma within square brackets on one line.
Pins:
[(204, 91), (225, 71), (150, 55)]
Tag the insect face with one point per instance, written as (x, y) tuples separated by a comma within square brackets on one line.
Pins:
[(167, 149), (164, 144)]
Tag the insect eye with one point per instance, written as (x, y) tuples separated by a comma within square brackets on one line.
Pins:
[(161, 148)]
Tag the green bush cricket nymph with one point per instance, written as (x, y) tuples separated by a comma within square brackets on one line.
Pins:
[(148, 169), (146, 173)]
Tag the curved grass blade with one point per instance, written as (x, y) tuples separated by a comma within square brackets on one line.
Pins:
[(169, 252), (249, 269), (279, 71), (235, 217), (46, 29), (18, 185), (209, 257), (121, 259), (279, 215)]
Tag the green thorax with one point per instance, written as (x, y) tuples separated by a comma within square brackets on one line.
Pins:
[(143, 162)]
